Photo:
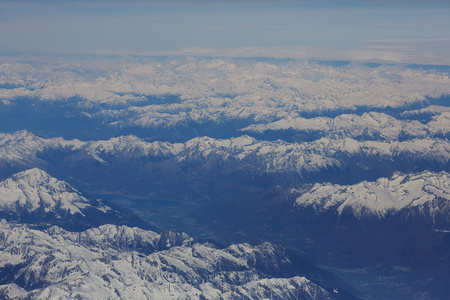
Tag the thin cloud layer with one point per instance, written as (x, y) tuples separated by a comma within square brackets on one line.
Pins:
[(412, 32)]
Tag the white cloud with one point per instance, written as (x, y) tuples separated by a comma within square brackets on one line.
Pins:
[(384, 52)]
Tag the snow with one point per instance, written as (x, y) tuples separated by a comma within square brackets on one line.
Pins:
[(429, 110), (440, 123), (35, 195), (217, 89), (369, 125), (244, 151), (94, 264), (122, 262), (382, 196), (34, 188)]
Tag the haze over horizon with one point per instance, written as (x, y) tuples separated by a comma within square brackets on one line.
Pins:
[(387, 31)]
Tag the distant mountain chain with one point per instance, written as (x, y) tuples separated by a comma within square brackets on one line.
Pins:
[(299, 82), (177, 92), (367, 126), (244, 152)]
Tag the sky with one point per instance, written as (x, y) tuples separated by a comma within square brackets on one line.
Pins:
[(403, 31)]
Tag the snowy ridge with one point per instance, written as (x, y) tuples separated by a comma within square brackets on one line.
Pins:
[(34, 189), (383, 196), (242, 152), (126, 238), (129, 146), (440, 123), (261, 156), (22, 146), (369, 125), (430, 110), (36, 198), (68, 268), (325, 152)]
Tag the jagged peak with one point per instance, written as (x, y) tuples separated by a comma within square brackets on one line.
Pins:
[(32, 174), (21, 134), (242, 140)]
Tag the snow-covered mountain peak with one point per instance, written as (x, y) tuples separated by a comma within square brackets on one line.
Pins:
[(35, 197), (33, 189), (36, 177), (22, 134), (21, 137), (20, 146), (382, 196)]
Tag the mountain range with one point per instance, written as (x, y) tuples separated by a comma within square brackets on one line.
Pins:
[(182, 177), (119, 262)]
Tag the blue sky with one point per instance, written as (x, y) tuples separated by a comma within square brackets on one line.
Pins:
[(366, 30)]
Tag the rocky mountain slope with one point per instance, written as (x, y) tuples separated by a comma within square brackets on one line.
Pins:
[(102, 263)]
